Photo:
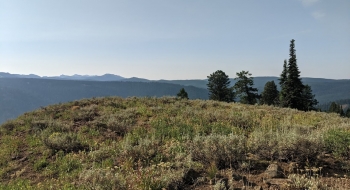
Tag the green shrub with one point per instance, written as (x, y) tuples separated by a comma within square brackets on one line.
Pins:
[(167, 130), (156, 177), (101, 179), (86, 114), (305, 182), (40, 164), (338, 142), (120, 122), (285, 144), (66, 142), (9, 126), (219, 149), (147, 150), (37, 126)]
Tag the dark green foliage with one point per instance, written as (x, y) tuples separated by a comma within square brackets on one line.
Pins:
[(347, 113), (294, 94), (270, 94), (309, 101), (282, 82), (336, 108), (219, 87), (293, 86), (244, 88), (182, 94)]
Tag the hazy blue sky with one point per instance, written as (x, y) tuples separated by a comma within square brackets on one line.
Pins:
[(174, 39)]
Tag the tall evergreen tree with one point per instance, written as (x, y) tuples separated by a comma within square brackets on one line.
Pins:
[(219, 87), (182, 94), (283, 79), (270, 94), (244, 88), (293, 86), (294, 94)]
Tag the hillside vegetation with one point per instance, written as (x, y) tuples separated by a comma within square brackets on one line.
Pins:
[(155, 143)]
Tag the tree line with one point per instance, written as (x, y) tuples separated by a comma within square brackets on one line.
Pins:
[(294, 94), (338, 107)]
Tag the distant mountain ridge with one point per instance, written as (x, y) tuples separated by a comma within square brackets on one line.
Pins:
[(105, 77), (326, 90)]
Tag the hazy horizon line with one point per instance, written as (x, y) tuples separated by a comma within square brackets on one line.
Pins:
[(96, 75)]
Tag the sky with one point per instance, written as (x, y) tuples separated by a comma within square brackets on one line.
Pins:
[(174, 39)]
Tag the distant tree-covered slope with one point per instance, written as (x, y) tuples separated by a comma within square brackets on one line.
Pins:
[(18, 95)]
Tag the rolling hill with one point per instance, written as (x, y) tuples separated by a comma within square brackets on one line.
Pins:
[(167, 143)]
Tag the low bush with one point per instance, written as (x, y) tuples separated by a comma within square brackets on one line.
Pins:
[(298, 181), (102, 179), (285, 144), (147, 150), (223, 150), (66, 142), (9, 126), (338, 142), (40, 164)]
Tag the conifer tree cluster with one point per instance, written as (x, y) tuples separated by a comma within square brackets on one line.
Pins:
[(219, 88), (294, 94), (336, 108)]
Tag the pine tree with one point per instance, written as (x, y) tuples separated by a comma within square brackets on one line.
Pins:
[(294, 94), (219, 87), (293, 86), (270, 94), (283, 79), (244, 88), (182, 94)]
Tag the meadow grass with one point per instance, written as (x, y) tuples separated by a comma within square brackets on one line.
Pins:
[(155, 143)]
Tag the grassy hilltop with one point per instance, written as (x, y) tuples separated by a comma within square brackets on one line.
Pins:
[(155, 143)]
